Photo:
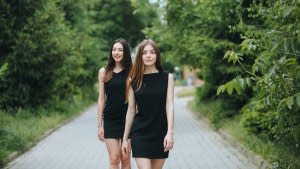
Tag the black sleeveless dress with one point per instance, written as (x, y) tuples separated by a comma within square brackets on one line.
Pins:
[(115, 106), (150, 123)]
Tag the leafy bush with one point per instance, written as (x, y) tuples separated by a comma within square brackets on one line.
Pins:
[(259, 123), (274, 74)]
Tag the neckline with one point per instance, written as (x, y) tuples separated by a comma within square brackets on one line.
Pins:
[(152, 73), (118, 72)]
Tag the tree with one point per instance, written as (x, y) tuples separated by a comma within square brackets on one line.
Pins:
[(115, 19)]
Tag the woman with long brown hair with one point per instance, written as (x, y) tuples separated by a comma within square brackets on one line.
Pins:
[(150, 116), (112, 104)]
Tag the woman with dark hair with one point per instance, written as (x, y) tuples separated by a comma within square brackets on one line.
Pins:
[(112, 104), (150, 116)]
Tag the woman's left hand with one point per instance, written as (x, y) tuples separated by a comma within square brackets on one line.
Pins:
[(168, 142)]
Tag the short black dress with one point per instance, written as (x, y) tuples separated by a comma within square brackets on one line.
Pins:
[(150, 123), (115, 106)]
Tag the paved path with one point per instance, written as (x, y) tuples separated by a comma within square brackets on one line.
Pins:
[(75, 146)]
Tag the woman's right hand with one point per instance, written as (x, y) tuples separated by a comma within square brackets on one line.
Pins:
[(125, 146), (101, 134)]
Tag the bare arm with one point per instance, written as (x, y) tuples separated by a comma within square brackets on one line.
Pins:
[(130, 113), (168, 141), (101, 97), (129, 120), (170, 104)]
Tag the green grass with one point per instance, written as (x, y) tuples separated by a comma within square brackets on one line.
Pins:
[(180, 82), (186, 92), (20, 130), (279, 156), (208, 110)]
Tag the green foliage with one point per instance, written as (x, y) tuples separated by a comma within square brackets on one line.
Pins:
[(19, 131), (54, 48), (50, 54), (147, 12), (237, 84), (79, 16), (40, 50), (197, 33), (248, 55), (261, 123), (117, 20), (275, 71), (277, 154)]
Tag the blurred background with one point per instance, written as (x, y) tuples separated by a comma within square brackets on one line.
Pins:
[(240, 56)]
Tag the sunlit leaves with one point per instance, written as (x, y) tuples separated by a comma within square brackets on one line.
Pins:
[(237, 84), (3, 69), (233, 57)]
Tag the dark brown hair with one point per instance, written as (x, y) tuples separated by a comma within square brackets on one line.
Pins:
[(126, 61)]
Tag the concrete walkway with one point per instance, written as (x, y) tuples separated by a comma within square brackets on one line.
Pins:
[(75, 146)]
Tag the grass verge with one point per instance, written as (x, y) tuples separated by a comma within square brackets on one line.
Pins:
[(278, 155), (21, 129), (186, 92)]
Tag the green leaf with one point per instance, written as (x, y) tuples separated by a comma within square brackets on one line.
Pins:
[(3, 69), (232, 56), (298, 99), (221, 89), (242, 83), (296, 132), (229, 88), (289, 102), (237, 85), (287, 11), (291, 61), (285, 45), (275, 46), (267, 99)]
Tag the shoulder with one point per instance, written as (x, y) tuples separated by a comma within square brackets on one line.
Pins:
[(168, 75), (165, 73), (130, 82), (129, 79), (102, 70), (101, 73), (170, 78)]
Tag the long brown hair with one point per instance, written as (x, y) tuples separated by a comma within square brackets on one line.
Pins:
[(137, 72), (126, 61)]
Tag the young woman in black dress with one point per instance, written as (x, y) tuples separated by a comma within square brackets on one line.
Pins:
[(112, 104), (150, 116)]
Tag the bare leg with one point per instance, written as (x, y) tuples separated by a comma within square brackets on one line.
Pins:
[(143, 163), (114, 150), (125, 161), (157, 163)]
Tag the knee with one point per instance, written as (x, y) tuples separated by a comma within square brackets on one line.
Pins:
[(115, 159), (126, 157), (125, 160)]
